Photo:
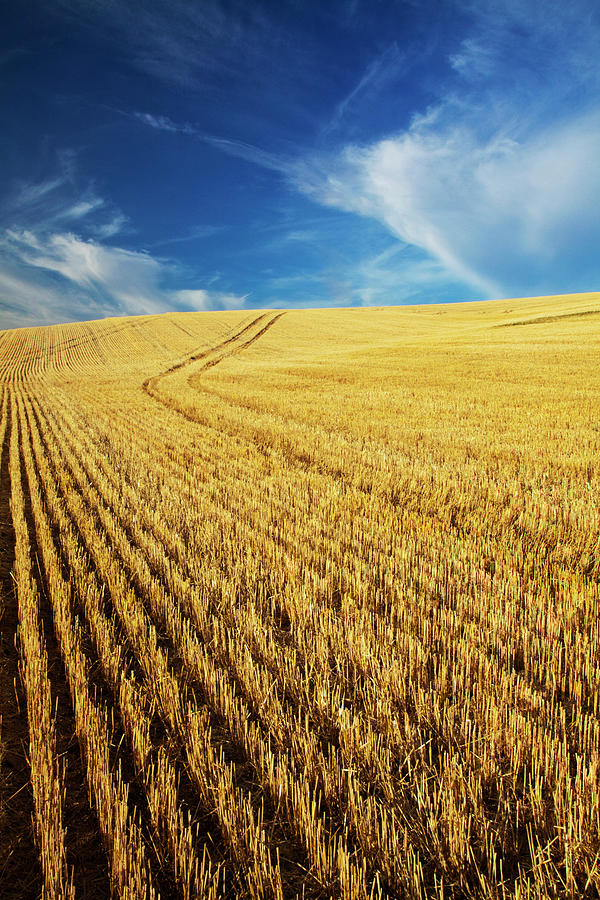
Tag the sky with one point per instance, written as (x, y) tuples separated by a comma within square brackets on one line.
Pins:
[(165, 155)]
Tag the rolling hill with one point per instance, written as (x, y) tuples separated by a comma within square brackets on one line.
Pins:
[(303, 603)]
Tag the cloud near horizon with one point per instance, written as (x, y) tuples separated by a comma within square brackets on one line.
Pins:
[(69, 274), (214, 155), (57, 265)]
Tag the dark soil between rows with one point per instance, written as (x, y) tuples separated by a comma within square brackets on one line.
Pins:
[(20, 870)]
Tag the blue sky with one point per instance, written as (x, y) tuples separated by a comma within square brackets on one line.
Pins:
[(168, 154)]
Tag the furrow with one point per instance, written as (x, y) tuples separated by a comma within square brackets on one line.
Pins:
[(130, 872)]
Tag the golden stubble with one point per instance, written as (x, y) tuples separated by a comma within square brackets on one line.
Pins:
[(339, 571)]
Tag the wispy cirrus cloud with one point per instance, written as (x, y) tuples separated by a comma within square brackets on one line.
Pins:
[(197, 233), (110, 277), (499, 180), (201, 299), (385, 68), (62, 199), (252, 154), (30, 301), (175, 41), (61, 277), (35, 192), (56, 264), (164, 123), (108, 229), (238, 149)]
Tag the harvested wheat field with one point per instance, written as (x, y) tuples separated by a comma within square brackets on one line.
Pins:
[(302, 603)]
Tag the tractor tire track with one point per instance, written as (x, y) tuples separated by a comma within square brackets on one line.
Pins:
[(151, 385)]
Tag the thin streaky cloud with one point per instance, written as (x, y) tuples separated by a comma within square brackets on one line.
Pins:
[(176, 42), (164, 123), (201, 299), (231, 147), (196, 234), (37, 192), (251, 153), (380, 71), (117, 225), (82, 209), (60, 201)]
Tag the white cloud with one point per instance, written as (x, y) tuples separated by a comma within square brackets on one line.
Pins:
[(399, 275), (32, 193), (55, 265), (61, 201), (163, 123), (412, 186), (499, 181), (82, 208), (195, 234), (235, 148), (129, 279), (250, 153), (266, 159), (109, 229), (35, 297), (177, 41), (202, 299), (61, 277), (380, 71)]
